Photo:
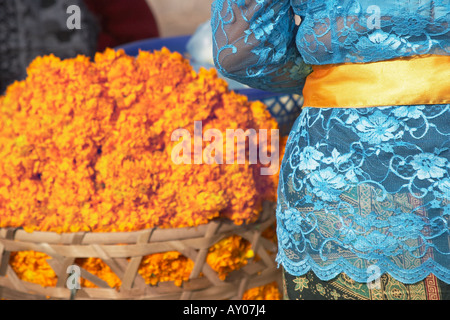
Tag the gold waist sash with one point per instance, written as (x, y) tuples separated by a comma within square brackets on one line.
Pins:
[(404, 81)]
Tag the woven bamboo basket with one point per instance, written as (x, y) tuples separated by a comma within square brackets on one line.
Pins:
[(123, 253)]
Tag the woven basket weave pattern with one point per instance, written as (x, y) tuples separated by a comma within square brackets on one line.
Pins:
[(123, 253)]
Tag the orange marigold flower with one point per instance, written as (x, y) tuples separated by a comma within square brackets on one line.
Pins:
[(86, 146), (267, 292)]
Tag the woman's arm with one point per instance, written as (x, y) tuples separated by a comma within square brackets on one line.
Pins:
[(254, 43)]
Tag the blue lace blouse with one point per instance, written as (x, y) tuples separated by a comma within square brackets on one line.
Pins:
[(257, 42), (362, 191)]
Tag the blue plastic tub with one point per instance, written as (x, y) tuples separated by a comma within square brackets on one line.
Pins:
[(177, 44)]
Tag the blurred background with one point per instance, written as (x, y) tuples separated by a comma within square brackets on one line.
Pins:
[(180, 17), (31, 28)]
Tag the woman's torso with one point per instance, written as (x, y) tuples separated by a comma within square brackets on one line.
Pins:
[(339, 31)]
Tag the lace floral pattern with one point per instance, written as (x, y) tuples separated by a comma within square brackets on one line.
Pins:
[(257, 42), (362, 187), (254, 43), (373, 30)]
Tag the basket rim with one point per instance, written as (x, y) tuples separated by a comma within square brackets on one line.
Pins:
[(221, 225)]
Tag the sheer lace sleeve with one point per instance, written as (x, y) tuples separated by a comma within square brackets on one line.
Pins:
[(254, 43)]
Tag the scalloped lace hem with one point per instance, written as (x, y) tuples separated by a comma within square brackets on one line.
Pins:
[(362, 275)]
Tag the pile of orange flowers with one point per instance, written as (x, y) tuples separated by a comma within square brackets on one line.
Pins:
[(86, 146)]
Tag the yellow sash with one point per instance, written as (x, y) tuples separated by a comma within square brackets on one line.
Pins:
[(404, 81)]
